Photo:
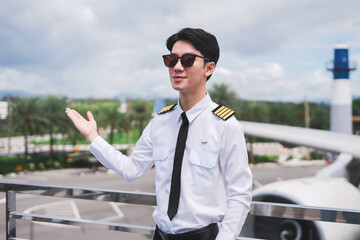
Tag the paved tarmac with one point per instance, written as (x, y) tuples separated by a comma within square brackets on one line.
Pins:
[(122, 213)]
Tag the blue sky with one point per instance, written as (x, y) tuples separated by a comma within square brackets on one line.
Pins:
[(270, 50)]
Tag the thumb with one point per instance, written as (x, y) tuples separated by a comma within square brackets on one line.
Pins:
[(90, 116)]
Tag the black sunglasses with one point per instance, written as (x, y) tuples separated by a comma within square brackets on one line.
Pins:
[(187, 60)]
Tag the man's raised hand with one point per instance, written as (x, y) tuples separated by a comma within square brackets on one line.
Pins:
[(87, 128)]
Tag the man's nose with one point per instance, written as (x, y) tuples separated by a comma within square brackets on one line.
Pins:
[(178, 66)]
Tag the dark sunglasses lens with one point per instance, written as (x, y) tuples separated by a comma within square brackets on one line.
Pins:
[(187, 60), (170, 60)]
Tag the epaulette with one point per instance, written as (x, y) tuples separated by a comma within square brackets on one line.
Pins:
[(167, 109), (223, 112)]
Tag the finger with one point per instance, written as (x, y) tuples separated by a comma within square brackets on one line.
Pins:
[(70, 112), (90, 116), (67, 110), (76, 114)]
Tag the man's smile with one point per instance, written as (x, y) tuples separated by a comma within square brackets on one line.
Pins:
[(178, 78)]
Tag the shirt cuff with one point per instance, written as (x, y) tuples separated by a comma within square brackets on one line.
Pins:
[(98, 145), (222, 235)]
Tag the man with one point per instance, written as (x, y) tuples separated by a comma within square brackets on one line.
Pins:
[(202, 175)]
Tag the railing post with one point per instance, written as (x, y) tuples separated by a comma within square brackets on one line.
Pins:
[(10, 207)]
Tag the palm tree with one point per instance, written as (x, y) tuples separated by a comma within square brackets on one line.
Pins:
[(109, 116), (53, 110), (222, 95), (26, 116), (124, 125), (141, 112)]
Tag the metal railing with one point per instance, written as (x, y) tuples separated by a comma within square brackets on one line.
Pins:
[(277, 210)]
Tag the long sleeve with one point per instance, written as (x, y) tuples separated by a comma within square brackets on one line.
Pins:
[(131, 167), (238, 180)]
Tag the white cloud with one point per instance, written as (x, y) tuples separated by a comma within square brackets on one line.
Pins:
[(17, 80), (270, 81), (224, 71), (269, 49)]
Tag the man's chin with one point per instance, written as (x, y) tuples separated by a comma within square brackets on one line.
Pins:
[(176, 87)]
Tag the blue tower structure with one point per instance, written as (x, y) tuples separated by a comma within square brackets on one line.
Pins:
[(341, 100)]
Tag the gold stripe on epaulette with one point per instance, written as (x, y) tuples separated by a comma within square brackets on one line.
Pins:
[(223, 112), (167, 109)]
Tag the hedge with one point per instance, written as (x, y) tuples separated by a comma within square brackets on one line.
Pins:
[(18, 163)]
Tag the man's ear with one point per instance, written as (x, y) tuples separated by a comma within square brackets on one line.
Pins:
[(210, 68)]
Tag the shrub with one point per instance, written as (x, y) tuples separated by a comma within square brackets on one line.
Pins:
[(317, 155), (10, 164), (41, 166), (41, 161), (265, 158), (31, 166), (49, 163), (57, 165)]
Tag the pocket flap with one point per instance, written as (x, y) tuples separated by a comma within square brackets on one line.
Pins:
[(204, 159)]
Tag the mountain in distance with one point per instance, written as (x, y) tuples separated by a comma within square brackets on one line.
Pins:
[(133, 96), (6, 93), (126, 95), (14, 93), (23, 94)]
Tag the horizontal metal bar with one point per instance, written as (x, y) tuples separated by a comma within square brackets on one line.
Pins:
[(81, 193), (300, 212), (245, 238), (94, 224), (267, 209), (84, 223)]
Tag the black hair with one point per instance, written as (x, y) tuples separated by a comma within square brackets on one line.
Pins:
[(203, 41)]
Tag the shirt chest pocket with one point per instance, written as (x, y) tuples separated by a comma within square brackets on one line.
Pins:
[(203, 168), (162, 163)]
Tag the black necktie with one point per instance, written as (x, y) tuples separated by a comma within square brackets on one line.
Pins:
[(176, 174)]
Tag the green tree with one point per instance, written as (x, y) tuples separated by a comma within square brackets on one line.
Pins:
[(319, 116), (125, 126), (53, 110), (282, 113), (141, 111), (356, 107), (356, 112), (71, 132), (109, 116), (222, 95), (257, 111), (26, 116)]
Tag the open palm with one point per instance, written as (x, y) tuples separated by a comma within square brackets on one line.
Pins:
[(87, 128)]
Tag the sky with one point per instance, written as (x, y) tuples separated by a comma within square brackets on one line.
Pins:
[(272, 50)]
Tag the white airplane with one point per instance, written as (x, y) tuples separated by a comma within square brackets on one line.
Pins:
[(329, 188)]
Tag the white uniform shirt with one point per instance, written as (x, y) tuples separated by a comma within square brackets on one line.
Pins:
[(216, 180)]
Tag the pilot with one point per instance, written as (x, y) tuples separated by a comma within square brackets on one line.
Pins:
[(202, 178)]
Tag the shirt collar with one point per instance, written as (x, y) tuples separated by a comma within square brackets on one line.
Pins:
[(193, 112)]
